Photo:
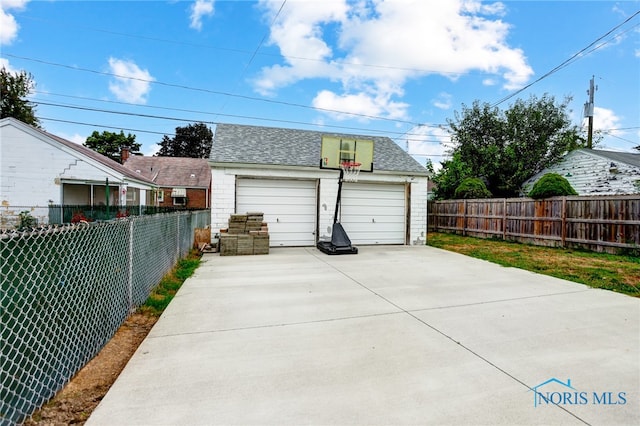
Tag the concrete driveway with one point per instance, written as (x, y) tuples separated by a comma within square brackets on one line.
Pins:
[(392, 335)]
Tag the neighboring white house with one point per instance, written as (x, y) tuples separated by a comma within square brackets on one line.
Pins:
[(596, 172), (38, 169), (277, 171)]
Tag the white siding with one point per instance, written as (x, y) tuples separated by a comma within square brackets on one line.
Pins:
[(289, 208), (33, 168), (418, 211), (224, 197), (591, 174)]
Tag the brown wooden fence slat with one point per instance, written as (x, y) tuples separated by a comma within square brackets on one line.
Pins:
[(601, 223)]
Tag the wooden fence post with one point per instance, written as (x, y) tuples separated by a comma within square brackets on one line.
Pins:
[(504, 219), (464, 218), (564, 220)]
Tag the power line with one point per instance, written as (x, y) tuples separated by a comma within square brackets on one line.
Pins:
[(103, 125), (359, 129), (256, 50), (131, 114), (567, 62), (215, 92)]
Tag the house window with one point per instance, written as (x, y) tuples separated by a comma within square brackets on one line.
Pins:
[(160, 196), (132, 196), (179, 196)]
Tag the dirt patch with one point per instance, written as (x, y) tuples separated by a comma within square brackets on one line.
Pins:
[(75, 402)]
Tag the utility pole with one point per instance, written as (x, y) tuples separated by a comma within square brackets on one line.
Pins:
[(588, 111)]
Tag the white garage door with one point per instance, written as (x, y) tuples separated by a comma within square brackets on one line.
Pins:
[(374, 213), (289, 208)]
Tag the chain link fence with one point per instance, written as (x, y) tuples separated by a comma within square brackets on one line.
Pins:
[(67, 289)]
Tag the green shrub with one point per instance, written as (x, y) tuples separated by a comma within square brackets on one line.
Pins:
[(551, 185), (26, 220), (472, 188)]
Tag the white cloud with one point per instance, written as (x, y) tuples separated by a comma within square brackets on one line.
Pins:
[(152, 150), (75, 138), (376, 47), (4, 63), (604, 120), (200, 9), (132, 84), (360, 103), (428, 142), (8, 25), (443, 101)]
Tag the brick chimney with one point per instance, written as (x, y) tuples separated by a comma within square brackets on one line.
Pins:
[(124, 154)]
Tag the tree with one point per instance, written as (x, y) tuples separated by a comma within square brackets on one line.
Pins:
[(110, 144), (14, 88), (506, 148), (449, 177), (472, 188), (551, 185), (193, 141)]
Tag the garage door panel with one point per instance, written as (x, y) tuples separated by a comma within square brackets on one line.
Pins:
[(374, 213), (365, 237), (362, 202), (289, 208), (375, 195), (384, 220), (291, 200), (281, 209), (375, 227)]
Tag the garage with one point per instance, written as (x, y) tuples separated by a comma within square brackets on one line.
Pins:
[(374, 213), (289, 207)]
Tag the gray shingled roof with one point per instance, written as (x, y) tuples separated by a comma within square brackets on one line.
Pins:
[(620, 157), (233, 143), (172, 171)]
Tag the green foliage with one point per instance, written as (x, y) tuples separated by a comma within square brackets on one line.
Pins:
[(14, 88), (472, 188), (505, 148), (26, 220), (193, 141), (551, 185), (453, 172), (163, 294), (429, 166), (110, 144)]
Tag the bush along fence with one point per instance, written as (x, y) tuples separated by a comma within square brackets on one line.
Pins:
[(604, 223), (67, 289)]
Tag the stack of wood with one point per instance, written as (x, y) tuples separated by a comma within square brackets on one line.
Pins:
[(247, 234)]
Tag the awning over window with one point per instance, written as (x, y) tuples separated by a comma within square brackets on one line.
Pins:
[(179, 192)]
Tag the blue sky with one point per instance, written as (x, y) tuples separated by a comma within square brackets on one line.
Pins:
[(397, 68)]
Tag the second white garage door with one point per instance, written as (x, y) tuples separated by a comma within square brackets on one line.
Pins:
[(289, 208), (374, 213)]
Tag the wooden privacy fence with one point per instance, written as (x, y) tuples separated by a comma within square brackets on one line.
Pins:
[(602, 223)]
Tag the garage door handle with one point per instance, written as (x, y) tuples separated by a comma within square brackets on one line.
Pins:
[(373, 220), (277, 220)]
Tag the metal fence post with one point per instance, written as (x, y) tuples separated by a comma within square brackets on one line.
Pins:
[(130, 272)]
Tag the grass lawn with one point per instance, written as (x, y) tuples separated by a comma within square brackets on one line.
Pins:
[(620, 273), (164, 292)]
